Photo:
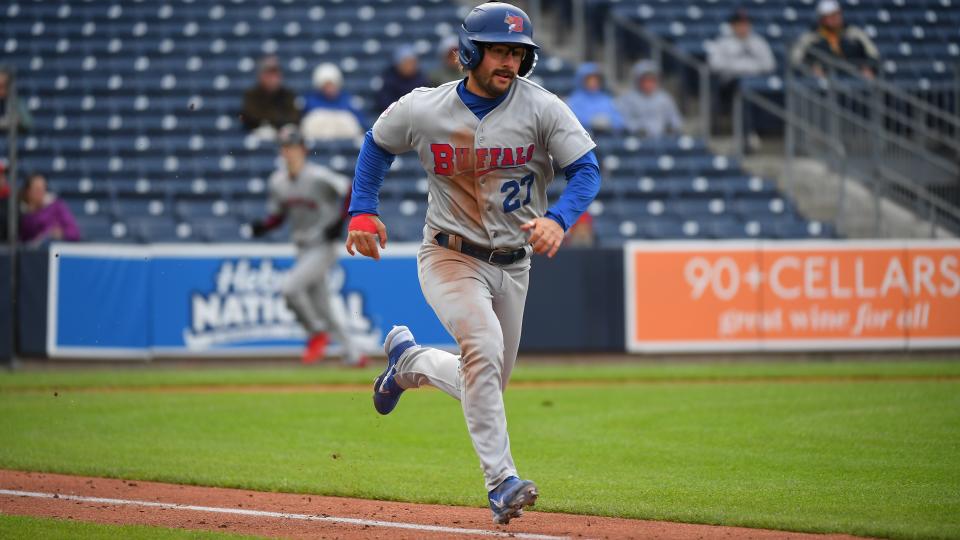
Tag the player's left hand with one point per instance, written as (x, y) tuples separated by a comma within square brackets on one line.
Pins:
[(546, 235)]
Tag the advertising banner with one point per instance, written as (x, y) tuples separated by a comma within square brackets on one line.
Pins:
[(114, 301), (728, 296)]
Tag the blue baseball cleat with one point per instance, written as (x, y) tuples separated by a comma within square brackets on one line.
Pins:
[(386, 391), (508, 499)]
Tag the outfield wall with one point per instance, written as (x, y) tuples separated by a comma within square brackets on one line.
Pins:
[(787, 296), (6, 307), (182, 300)]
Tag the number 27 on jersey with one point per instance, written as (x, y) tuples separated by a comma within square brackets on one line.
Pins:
[(516, 193)]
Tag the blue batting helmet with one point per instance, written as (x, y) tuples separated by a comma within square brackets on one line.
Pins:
[(496, 22)]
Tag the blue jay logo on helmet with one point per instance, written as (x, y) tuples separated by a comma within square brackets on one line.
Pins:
[(514, 22), (485, 24)]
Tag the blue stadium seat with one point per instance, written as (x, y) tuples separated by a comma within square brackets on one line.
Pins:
[(160, 229), (220, 229)]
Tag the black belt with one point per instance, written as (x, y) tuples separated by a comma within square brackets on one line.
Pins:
[(500, 256)]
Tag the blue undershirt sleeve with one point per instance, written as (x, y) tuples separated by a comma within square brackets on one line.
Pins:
[(583, 183), (372, 166)]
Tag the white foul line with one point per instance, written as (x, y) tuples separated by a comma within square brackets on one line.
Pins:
[(281, 515)]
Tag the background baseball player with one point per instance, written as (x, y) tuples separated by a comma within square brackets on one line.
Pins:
[(311, 196), (486, 144)]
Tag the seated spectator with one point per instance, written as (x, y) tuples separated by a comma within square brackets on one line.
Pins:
[(268, 105), (592, 105), (44, 217), (328, 113), (831, 37), (449, 68), (581, 234), (741, 52), (647, 110), (24, 119), (401, 77)]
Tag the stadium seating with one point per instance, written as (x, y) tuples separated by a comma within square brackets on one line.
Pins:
[(918, 39), (136, 104)]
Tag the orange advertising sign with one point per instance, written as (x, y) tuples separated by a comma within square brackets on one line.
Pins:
[(699, 296)]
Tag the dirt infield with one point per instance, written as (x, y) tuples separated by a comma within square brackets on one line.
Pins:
[(285, 515)]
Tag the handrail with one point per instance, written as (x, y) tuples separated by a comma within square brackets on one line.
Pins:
[(848, 116), (884, 85), (924, 109), (787, 116), (932, 199)]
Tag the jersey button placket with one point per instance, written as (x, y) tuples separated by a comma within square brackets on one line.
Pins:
[(483, 181)]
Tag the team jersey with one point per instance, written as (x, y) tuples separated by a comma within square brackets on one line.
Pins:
[(311, 202), (486, 177)]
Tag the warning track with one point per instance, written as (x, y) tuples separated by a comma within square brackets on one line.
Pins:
[(126, 502)]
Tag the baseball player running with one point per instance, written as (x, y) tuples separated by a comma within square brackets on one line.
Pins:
[(486, 144), (312, 197)]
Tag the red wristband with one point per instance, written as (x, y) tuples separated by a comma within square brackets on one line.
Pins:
[(363, 222)]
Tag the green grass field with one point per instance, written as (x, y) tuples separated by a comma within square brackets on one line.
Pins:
[(733, 444), (55, 529)]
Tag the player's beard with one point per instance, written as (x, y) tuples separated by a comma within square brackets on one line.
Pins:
[(492, 89)]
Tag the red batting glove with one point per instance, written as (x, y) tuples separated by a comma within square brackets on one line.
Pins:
[(363, 233), (362, 222)]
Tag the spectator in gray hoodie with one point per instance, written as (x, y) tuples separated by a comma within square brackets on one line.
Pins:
[(646, 109)]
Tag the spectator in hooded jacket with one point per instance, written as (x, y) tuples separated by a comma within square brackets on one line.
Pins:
[(400, 78), (647, 110), (741, 52), (44, 217), (833, 38), (592, 105), (328, 111)]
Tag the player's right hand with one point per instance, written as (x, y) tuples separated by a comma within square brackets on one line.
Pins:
[(365, 232), (258, 229)]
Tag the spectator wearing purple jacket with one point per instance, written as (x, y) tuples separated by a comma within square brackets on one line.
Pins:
[(44, 217)]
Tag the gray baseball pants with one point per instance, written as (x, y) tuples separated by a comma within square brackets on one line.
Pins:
[(307, 292), (481, 306)]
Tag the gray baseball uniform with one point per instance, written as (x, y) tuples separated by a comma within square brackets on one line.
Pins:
[(486, 178), (312, 202)]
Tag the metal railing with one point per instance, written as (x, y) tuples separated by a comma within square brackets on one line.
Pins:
[(923, 115), (902, 146), (833, 152), (654, 47), (897, 144)]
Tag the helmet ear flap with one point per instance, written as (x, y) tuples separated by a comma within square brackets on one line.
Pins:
[(470, 54), (529, 62)]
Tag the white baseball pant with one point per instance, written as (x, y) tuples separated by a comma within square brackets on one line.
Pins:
[(481, 306), (307, 292)]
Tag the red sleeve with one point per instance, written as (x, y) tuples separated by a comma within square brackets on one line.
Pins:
[(273, 221)]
